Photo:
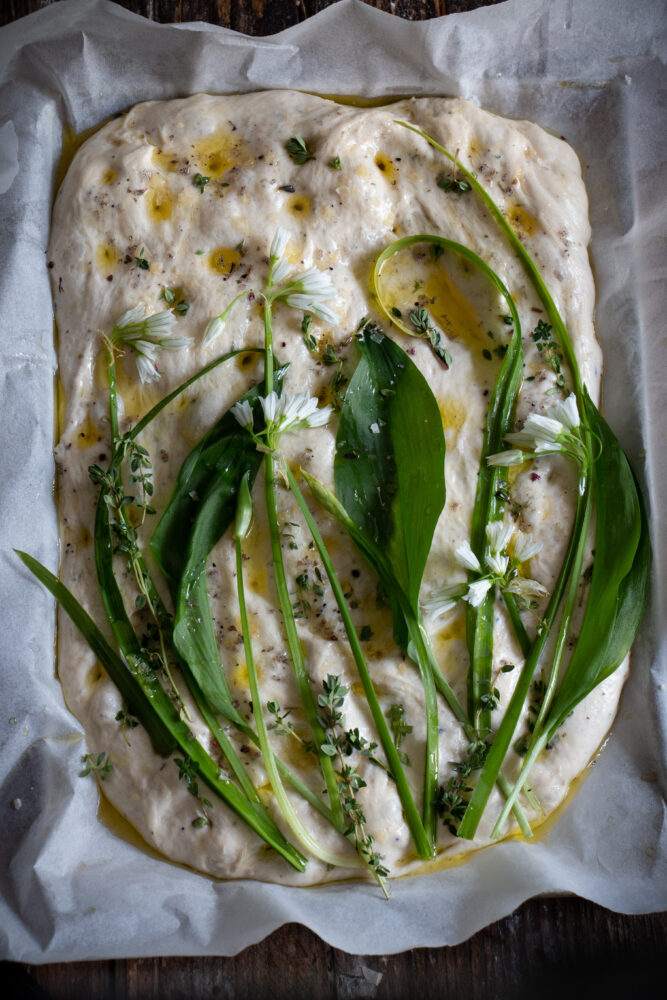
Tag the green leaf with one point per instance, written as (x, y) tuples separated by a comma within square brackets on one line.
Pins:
[(201, 509), (389, 472), (137, 685), (151, 704), (225, 446), (299, 150), (389, 468), (619, 583)]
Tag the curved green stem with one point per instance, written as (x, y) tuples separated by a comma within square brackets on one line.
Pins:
[(422, 840), (286, 807)]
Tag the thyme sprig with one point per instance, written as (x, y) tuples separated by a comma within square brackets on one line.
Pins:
[(100, 766), (339, 746), (299, 150), (188, 771)]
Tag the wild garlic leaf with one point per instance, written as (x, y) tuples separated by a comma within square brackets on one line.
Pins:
[(170, 539), (201, 509), (619, 581), (389, 468), (139, 688)]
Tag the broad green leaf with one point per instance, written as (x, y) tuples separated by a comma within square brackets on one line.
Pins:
[(226, 446), (146, 699), (389, 472), (390, 458), (137, 684), (621, 567), (202, 507)]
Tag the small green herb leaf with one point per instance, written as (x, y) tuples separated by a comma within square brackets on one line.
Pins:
[(200, 181), (299, 150)]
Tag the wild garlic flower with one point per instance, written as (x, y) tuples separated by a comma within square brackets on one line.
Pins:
[(306, 291), (213, 329), (444, 599), (499, 569), (243, 413), (545, 434), (146, 334), (282, 414)]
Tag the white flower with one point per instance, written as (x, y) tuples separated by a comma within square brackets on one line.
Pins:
[(287, 413), (477, 591), (467, 558), (130, 318), (144, 334), (497, 564), (272, 406), (527, 588), (279, 243), (320, 417), (513, 457), (213, 330), (147, 363), (280, 271), (498, 534), (314, 283), (539, 433), (307, 291), (308, 304), (243, 413), (443, 600), (566, 412), (525, 547)]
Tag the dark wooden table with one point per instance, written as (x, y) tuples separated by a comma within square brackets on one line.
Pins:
[(548, 947)]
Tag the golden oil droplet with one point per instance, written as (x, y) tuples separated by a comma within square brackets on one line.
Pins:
[(215, 154), (84, 539), (109, 176), (453, 414), (451, 309), (247, 360), (88, 433), (159, 199), (299, 206), (107, 257), (386, 167), (223, 260), (94, 675), (414, 279), (167, 161), (455, 629), (240, 677), (521, 221)]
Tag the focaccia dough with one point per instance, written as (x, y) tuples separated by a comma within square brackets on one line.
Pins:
[(130, 193)]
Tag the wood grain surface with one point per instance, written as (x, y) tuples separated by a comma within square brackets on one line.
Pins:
[(549, 948)]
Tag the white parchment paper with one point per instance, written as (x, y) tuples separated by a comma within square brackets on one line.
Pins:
[(592, 70)]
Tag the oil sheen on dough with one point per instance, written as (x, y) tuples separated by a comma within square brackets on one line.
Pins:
[(130, 193)]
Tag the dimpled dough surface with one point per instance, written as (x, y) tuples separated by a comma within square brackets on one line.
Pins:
[(129, 193)]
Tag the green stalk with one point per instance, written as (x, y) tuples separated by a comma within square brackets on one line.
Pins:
[(123, 631), (431, 709), (423, 839), (444, 687), (153, 596), (113, 392), (505, 733), (582, 516), (288, 811), (148, 699), (289, 623), (481, 663), (515, 620), (563, 631)]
